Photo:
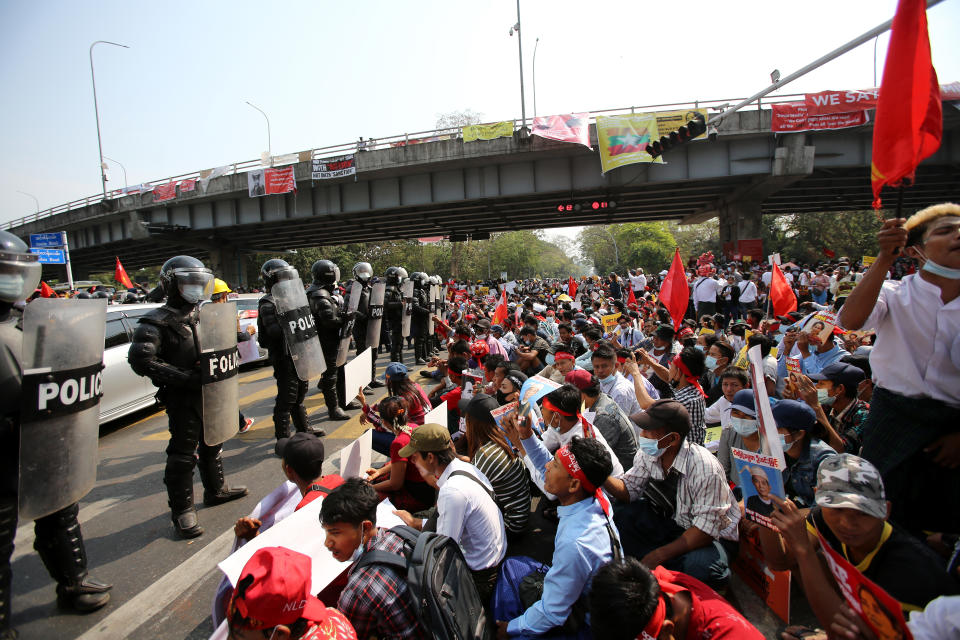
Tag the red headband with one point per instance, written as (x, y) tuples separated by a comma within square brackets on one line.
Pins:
[(621, 359), (563, 355), (565, 456), (587, 427), (655, 624), (692, 379)]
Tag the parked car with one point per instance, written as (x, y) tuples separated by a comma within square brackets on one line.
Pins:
[(247, 315)]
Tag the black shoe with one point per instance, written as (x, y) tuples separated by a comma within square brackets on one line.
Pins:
[(352, 406), (367, 391), (376, 383), (9, 634), (186, 524), (420, 361), (85, 597), (317, 431), (336, 413), (222, 495), (427, 374)]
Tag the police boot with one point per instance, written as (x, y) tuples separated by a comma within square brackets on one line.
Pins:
[(330, 398), (215, 489), (60, 545), (281, 426), (179, 480), (302, 424), (8, 531)]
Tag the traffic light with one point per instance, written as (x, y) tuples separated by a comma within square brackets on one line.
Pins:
[(686, 133)]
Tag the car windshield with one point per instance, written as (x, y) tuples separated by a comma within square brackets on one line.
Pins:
[(247, 304)]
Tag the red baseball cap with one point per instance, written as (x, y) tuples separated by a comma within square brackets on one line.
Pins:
[(580, 378), (278, 590)]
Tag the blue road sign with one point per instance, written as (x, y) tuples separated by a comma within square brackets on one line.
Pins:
[(50, 256), (46, 239)]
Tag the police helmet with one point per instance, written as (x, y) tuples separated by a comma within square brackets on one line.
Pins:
[(83, 295), (101, 295), (362, 271), (277, 270), (130, 298), (324, 272), (392, 275), (186, 277), (402, 273), (20, 270)]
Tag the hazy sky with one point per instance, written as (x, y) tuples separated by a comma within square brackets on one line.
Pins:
[(328, 72)]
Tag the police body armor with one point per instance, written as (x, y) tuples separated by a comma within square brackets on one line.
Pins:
[(432, 306), (407, 292), (375, 315), (299, 328), (346, 331), (62, 363), (219, 365)]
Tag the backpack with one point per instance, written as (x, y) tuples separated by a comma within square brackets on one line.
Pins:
[(444, 594)]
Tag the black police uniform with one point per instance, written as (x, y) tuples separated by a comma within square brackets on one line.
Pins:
[(393, 310), (419, 326), (291, 390), (326, 312)]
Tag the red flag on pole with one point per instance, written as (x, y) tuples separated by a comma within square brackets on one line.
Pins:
[(675, 292), (909, 118), (631, 298), (829, 253), (781, 295), (46, 291), (120, 275), (500, 313), (572, 288)]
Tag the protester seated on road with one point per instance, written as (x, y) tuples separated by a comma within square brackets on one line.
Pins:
[(273, 600), (803, 449), (719, 358), (675, 507), (684, 376), (912, 433), (608, 418), (585, 539), (851, 514), (510, 385), (771, 378), (614, 384), (732, 380), (814, 354), (376, 599), (563, 363), (744, 433), (628, 601), (386, 416), (452, 381), (532, 352), (494, 456), (490, 377), (466, 506), (455, 348), (592, 334), (832, 394)]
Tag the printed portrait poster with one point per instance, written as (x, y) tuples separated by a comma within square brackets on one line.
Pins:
[(535, 388), (568, 127), (820, 325), (760, 478), (265, 182), (877, 608)]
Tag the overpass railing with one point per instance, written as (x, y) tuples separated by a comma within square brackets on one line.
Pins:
[(372, 144)]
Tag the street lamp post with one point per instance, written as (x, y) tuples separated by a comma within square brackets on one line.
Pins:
[(535, 44), (523, 103), (122, 167), (36, 202), (269, 146), (96, 111)]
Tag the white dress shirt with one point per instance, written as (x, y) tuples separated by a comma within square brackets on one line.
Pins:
[(748, 291), (621, 391), (467, 514), (705, 290), (917, 353)]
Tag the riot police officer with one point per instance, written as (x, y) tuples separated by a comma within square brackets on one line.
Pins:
[(291, 390), (393, 306), (166, 349), (325, 306), (58, 538), (419, 326), (363, 273)]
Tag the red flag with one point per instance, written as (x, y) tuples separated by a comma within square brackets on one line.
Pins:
[(909, 117), (500, 313), (46, 291), (631, 298), (829, 253), (781, 295), (572, 288), (675, 292), (120, 275)]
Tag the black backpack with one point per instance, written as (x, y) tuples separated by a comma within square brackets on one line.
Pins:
[(444, 594)]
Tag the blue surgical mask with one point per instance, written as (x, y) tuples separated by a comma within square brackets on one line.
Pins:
[(650, 447), (699, 347), (939, 270), (710, 363), (824, 397), (550, 359), (784, 444), (609, 378), (744, 426)]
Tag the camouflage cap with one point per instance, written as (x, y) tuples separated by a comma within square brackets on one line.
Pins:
[(850, 482)]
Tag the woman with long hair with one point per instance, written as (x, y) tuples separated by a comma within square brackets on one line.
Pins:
[(398, 479)]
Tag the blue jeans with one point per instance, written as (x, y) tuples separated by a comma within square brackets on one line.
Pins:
[(642, 530)]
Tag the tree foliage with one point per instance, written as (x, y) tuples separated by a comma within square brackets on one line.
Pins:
[(619, 247), (457, 119), (802, 237)]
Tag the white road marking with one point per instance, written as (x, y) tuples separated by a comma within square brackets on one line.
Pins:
[(127, 618)]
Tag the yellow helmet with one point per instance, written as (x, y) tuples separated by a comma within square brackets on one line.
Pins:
[(219, 286)]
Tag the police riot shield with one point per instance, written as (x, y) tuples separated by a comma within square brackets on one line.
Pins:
[(406, 290), (219, 362), (375, 315), (62, 361), (432, 306), (299, 328), (346, 331)]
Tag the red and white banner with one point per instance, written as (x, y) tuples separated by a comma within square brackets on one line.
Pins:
[(794, 116), (568, 127), (188, 185), (164, 192), (266, 182), (430, 240), (849, 101)]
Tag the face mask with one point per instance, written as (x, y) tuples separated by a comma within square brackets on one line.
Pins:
[(699, 347), (191, 292), (501, 398), (824, 397), (550, 359), (784, 444), (710, 363), (609, 378), (11, 287), (744, 426), (650, 447), (939, 270), (359, 550)]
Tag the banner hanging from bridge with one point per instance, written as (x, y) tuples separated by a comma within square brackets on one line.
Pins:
[(795, 116), (329, 168), (623, 139), (849, 101), (473, 132), (567, 127), (266, 182), (164, 192)]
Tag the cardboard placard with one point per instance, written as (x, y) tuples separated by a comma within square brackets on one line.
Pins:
[(358, 373), (355, 457), (773, 587), (760, 477), (437, 415)]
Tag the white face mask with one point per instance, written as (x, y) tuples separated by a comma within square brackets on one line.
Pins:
[(191, 292), (11, 287)]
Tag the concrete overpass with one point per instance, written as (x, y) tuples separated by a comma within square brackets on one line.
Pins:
[(448, 187)]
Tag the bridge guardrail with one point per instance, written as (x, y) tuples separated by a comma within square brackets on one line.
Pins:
[(372, 144)]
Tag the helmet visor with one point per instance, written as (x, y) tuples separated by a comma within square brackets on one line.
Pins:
[(19, 275), (194, 284)]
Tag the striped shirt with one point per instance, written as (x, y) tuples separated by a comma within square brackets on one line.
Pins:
[(693, 400), (704, 499), (510, 484)]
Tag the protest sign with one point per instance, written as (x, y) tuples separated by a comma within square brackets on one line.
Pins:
[(357, 373), (769, 437), (760, 478), (265, 182), (568, 127), (329, 168), (609, 322), (355, 457), (773, 587), (535, 388), (795, 116), (820, 325), (473, 132), (437, 415), (712, 440), (868, 260)]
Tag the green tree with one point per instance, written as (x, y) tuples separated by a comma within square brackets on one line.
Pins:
[(619, 247)]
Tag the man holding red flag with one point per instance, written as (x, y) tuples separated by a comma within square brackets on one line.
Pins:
[(500, 313), (572, 288), (120, 275), (675, 291)]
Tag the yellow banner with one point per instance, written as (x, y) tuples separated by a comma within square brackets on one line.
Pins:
[(668, 121), (483, 290), (609, 322), (623, 139), (473, 132), (869, 260)]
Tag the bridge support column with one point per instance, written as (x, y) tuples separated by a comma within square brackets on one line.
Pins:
[(226, 263), (739, 221)]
